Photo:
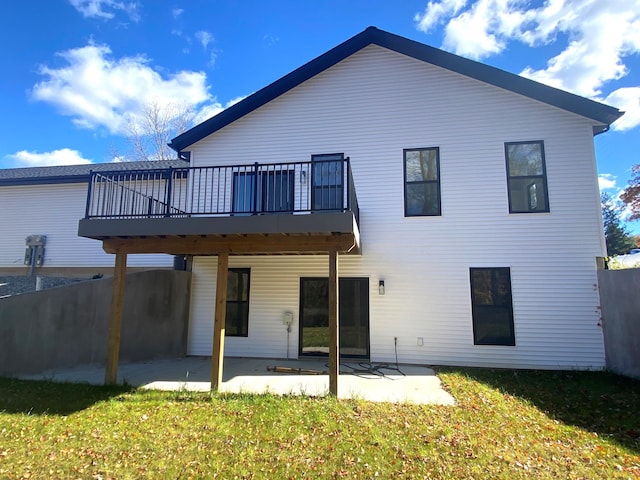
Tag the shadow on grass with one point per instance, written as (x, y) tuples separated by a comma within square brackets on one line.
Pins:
[(600, 402), (38, 397)]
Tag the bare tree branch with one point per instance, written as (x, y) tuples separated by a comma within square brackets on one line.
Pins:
[(149, 133)]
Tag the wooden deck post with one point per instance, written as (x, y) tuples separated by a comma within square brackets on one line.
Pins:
[(334, 338), (217, 357), (115, 320)]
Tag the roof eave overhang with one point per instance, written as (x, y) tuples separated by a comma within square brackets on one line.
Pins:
[(54, 180), (273, 90), (599, 112)]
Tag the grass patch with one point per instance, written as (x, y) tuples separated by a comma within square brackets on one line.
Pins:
[(508, 424), (315, 337)]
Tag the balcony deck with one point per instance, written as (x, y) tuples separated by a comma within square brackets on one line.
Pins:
[(287, 208)]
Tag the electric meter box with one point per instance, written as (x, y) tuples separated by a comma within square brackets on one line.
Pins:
[(287, 318), (34, 253)]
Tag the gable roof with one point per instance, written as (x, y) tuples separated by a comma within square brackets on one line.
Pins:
[(603, 114), (76, 173)]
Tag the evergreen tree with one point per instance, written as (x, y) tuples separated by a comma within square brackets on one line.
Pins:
[(618, 239)]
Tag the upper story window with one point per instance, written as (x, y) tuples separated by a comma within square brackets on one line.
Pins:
[(327, 181), (273, 191), (421, 182), (526, 177)]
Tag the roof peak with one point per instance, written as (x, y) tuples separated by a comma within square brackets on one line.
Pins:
[(603, 114)]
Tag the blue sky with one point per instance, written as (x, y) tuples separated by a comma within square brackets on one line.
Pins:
[(77, 72)]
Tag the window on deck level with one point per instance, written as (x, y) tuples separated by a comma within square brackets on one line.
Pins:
[(526, 177), (422, 182), (274, 191), (327, 181)]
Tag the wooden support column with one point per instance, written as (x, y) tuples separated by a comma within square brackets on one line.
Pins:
[(334, 337), (115, 320), (217, 357)]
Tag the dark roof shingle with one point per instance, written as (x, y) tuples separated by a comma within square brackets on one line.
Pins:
[(76, 173)]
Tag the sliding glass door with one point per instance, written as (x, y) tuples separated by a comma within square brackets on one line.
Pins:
[(353, 314), (274, 192)]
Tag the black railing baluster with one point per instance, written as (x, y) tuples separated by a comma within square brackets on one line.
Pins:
[(102, 198), (348, 182), (256, 167), (88, 207), (167, 211), (298, 187)]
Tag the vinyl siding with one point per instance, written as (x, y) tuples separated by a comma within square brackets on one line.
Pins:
[(373, 105), (54, 211)]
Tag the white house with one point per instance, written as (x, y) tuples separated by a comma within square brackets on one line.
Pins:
[(473, 186), (47, 201)]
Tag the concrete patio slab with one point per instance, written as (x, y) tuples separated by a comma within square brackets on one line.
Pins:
[(408, 384)]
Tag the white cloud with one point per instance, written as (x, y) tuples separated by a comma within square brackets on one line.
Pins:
[(106, 8), (627, 100), (204, 37), (270, 39), (606, 181), (176, 12), (235, 100), (473, 24), (208, 111), (213, 56), (601, 34), (64, 156), (214, 108), (599, 37), (97, 90), (436, 11)]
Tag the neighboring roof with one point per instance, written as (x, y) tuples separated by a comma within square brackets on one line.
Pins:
[(76, 173), (599, 112)]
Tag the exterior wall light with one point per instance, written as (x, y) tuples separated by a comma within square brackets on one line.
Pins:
[(381, 287)]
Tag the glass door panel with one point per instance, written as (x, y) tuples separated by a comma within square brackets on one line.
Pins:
[(314, 316), (326, 181), (243, 192), (277, 191), (353, 316)]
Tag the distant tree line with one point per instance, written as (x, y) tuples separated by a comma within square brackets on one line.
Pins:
[(618, 239)]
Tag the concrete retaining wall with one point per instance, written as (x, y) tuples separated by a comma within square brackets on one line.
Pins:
[(67, 326), (620, 302)]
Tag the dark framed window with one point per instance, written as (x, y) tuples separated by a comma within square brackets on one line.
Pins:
[(237, 319), (277, 190), (273, 192), (526, 177), (244, 188), (491, 306), (327, 181), (422, 182)]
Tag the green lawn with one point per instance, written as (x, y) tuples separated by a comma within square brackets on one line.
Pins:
[(508, 424)]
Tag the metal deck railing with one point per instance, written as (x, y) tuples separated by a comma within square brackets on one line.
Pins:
[(252, 189)]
